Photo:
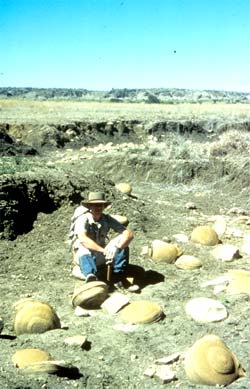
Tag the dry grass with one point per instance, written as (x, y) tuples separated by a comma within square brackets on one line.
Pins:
[(231, 142), (28, 111)]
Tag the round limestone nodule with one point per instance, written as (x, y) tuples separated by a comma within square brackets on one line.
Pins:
[(35, 317), (226, 252), (25, 357), (240, 282), (121, 219), (164, 252), (90, 295), (206, 310), (188, 262), (124, 187), (210, 362), (139, 312), (205, 235)]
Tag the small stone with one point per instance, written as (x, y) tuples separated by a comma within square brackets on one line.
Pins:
[(169, 359), (77, 340), (165, 374), (220, 225), (79, 311), (190, 205), (150, 371), (144, 250), (181, 238), (115, 302), (216, 281), (219, 288), (226, 252)]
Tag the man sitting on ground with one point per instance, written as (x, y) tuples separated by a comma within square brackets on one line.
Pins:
[(91, 247)]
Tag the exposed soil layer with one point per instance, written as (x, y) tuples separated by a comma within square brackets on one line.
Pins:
[(35, 211)]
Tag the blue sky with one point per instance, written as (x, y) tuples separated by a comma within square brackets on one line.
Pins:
[(104, 44)]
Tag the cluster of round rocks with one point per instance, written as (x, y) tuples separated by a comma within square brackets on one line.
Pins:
[(208, 362)]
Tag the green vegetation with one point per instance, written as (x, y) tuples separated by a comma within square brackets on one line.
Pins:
[(20, 164)]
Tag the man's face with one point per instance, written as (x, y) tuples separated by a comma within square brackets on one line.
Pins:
[(96, 210)]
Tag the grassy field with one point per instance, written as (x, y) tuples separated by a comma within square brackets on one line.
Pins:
[(34, 111)]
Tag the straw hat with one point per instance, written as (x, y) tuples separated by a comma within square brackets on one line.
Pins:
[(210, 362), (141, 312), (96, 198), (90, 295), (35, 317), (205, 235)]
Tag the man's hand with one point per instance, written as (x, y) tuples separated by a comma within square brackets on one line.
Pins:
[(110, 252)]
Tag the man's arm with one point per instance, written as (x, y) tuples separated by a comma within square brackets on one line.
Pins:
[(125, 238), (89, 243)]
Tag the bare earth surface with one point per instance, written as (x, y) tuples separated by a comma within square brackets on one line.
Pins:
[(36, 264)]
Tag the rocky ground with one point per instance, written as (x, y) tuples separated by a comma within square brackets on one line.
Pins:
[(170, 196)]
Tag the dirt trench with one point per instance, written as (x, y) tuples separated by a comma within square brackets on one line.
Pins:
[(36, 207)]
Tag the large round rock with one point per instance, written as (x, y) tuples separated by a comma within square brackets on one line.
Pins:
[(210, 362), (141, 312), (35, 317), (205, 235), (161, 251), (90, 295)]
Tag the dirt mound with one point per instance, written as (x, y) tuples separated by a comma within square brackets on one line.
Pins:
[(10, 146)]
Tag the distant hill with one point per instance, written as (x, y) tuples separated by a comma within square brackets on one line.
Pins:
[(150, 96)]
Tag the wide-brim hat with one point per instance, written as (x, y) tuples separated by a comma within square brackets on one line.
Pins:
[(96, 198)]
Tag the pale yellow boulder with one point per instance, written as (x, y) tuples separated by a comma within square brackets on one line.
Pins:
[(23, 358), (90, 295), (188, 262), (121, 219), (141, 312), (182, 238), (220, 225), (37, 361), (76, 340), (205, 235), (35, 317), (124, 187), (161, 251), (210, 362), (239, 282)]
